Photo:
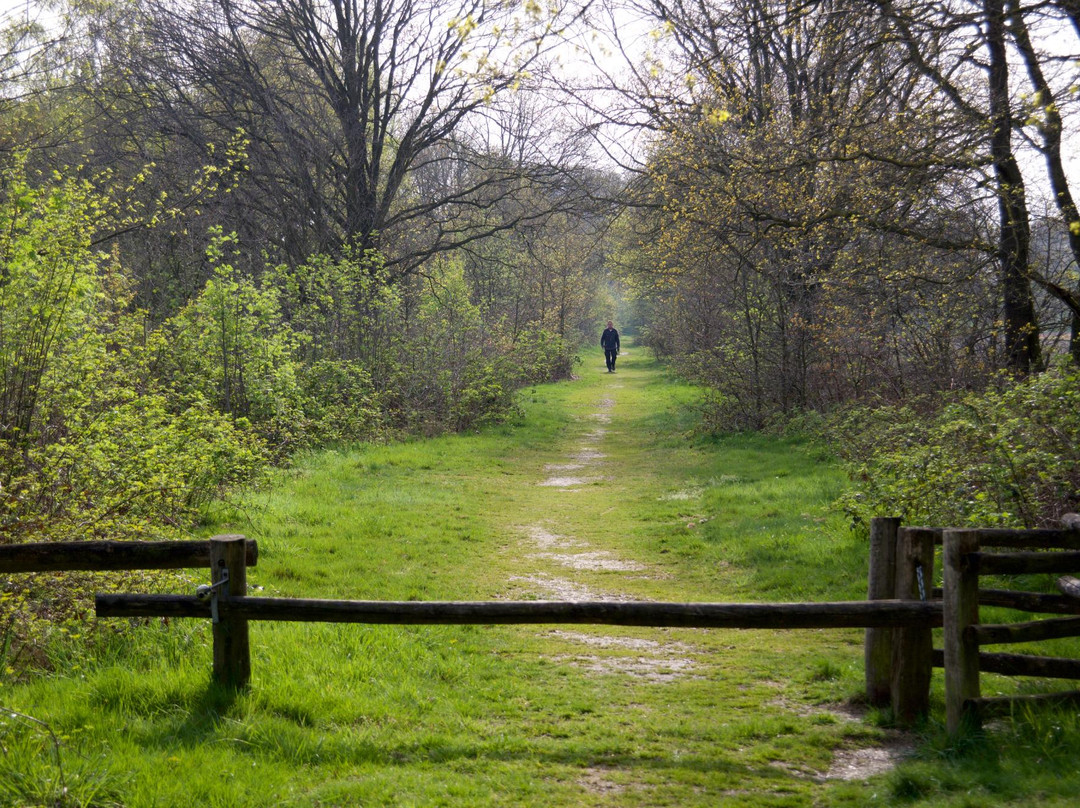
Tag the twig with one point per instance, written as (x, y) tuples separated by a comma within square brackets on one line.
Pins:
[(29, 719)]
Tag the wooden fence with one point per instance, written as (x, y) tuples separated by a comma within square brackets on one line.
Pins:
[(899, 662), (900, 613), (227, 556), (966, 560)]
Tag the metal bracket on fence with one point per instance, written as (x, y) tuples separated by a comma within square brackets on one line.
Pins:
[(209, 591), (922, 582)]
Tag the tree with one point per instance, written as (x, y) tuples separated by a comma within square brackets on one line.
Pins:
[(1049, 123), (346, 104), (937, 51)]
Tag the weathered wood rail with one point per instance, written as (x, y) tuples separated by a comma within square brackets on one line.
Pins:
[(842, 614), (233, 609), (112, 555)]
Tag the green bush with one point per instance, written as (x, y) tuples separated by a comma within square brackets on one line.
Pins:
[(1005, 457), (453, 370), (231, 346), (540, 355), (91, 444), (486, 394), (343, 308), (339, 402)]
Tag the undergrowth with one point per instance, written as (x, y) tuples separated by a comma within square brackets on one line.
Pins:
[(1006, 457)]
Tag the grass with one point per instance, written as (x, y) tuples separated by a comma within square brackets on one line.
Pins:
[(518, 716)]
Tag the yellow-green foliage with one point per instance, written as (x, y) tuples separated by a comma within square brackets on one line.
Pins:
[(92, 445), (231, 346), (1005, 457)]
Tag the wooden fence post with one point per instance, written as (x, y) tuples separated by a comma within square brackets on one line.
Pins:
[(913, 646), (232, 655), (881, 586), (961, 610)]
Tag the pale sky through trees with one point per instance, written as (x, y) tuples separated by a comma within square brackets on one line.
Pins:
[(613, 43)]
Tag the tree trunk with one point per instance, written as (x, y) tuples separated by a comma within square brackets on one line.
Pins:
[(1050, 130), (1014, 242)]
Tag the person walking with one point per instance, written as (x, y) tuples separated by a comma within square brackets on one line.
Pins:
[(609, 341)]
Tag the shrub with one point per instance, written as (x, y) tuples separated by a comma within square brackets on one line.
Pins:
[(486, 394), (231, 346), (452, 370), (540, 355), (1005, 457), (339, 402)]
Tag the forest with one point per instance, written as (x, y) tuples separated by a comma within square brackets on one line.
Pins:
[(332, 274), (236, 231)]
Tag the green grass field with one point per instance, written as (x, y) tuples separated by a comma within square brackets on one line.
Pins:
[(600, 489)]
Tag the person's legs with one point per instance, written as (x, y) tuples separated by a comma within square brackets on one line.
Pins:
[(609, 356)]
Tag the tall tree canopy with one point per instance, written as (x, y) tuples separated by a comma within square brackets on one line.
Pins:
[(368, 124), (835, 202)]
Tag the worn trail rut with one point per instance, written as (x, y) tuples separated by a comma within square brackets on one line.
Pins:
[(555, 563)]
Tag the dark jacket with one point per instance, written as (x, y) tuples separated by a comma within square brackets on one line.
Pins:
[(609, 340)]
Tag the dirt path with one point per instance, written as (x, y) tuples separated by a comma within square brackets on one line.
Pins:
[(556, 563), (553, 561)]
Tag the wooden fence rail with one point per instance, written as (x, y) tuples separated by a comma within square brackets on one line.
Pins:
[(843, 614), (1023, 601), (226, 603), (1021, 665), (112, 555), (1065, 538), (1032, 563)]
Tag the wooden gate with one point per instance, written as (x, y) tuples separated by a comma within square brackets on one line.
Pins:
[(965, 561)]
